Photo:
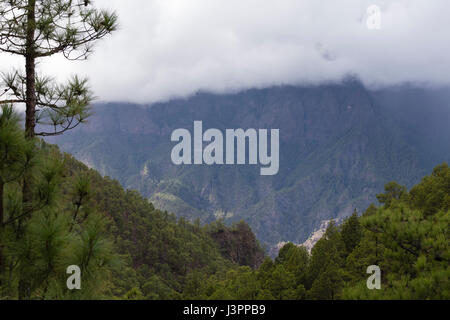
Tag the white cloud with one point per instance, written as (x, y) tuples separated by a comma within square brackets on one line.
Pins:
[(168, 48)]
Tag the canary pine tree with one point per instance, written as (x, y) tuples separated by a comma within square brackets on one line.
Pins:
[(14, 161), (351, 232), (59, 229), (34, 30), (37, 29)]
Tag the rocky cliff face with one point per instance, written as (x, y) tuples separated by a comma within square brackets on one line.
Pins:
[(339, 144)]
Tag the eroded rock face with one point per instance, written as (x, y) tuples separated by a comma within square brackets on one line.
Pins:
[(339, 145), (315, 236)]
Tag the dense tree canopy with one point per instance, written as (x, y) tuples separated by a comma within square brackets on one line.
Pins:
[(407, 237), (127, 249)]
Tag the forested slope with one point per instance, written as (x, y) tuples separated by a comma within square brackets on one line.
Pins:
[(123, 245), (339, 144), (407, 237)]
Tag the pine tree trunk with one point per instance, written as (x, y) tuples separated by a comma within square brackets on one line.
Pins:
[(30, 68), (30, 123)]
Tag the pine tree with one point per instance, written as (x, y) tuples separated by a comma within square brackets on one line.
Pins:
[(37, 29), (12, 165), (281, 284), (328, 285), (327, 260), (351, 232), (409, 240), (63, 230), (392, 191), (296, 260)]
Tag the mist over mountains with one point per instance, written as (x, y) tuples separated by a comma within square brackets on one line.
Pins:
[(339, 144)]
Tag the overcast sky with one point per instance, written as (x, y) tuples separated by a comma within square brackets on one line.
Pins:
[(173, 48)]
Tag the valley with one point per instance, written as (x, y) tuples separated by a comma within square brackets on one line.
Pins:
[(340, 143)]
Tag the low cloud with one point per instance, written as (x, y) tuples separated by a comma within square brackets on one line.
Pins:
[(167, 49)]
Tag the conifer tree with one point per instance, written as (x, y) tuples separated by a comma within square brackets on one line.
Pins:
[(13, 164), (37, 29), (327, 259), (351, 232), (34, 30), (35, 252)]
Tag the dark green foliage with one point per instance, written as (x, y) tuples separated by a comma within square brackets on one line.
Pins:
[(351, 232), (40, 238), (324, 274), (127, 249), (124, 247), (237, 243), (328, 284), (408, 238), (433, 193), (161, 249), (392, 191), (339, 146)]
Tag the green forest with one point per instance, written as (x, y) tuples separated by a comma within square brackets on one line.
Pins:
[(56, 212)]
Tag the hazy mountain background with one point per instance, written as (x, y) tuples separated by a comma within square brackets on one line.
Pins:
[(340, 143)]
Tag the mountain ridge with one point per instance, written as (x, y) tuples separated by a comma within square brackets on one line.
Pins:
[(339, 144)]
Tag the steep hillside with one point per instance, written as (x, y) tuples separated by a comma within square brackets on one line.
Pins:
[(68, 218), (160, 250), (339, 144)]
